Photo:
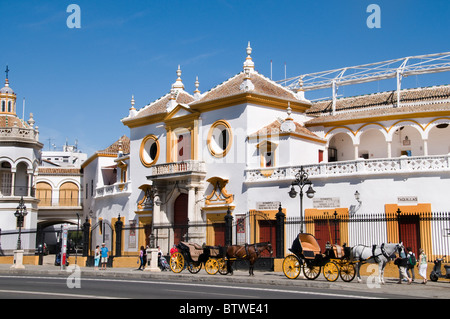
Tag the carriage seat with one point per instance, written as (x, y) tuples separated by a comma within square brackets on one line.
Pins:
[(194, 249), (310, 250), (338, 251)]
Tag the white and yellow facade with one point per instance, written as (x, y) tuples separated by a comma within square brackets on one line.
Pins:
[(19, 160), (239, 145)]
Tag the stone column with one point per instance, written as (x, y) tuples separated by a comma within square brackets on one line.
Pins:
[(356, 151)]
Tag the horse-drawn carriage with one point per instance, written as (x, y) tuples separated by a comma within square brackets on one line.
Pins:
[(215, 258), (193, 256), (307, 254)]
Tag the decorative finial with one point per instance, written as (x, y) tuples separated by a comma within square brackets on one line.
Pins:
[(301, 92), (7, 74), (249, 49), (289, 110), (249, 64), (178, 85), (31, 120), (197, 84), (132, 109), (197, 94)]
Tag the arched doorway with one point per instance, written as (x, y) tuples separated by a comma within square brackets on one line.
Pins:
[(180, 218)]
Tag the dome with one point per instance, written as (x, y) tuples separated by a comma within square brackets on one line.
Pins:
[(6, 90)]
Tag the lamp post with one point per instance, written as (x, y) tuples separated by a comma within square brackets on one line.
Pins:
[(301, 180), (20, 213), (76, 239)]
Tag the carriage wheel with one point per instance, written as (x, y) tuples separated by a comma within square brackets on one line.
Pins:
[(347, 272), (194, 267), (177, 262), (212, 266), (222, 266), (331, 271), (311, 272), (291, 266)]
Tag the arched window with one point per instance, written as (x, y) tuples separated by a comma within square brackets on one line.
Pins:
[(44, 194), (68, 194), (9, 107), (3, 106)]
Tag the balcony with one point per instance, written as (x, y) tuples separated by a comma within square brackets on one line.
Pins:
[(20, 134), (360, 167), (7, 190), (112, 190), (59, 203), (175, 170)]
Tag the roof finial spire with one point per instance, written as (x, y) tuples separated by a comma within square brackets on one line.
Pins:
[(132, 109), (288, 125), (7, 74), (300, 91), (249, 64), (197, 93), (178, 85)]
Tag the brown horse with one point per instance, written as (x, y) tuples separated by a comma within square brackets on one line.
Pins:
[(250, 252)]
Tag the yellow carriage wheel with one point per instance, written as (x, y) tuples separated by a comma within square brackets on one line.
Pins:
[(331, 271), (311, 271), (348, 272), (212, 266), (291, 266), (176, 262), (223, 270), (194, 267)]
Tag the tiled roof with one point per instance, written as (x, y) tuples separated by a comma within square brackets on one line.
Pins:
[(262, 85), (113, 149), (10, 120), (275, 128), (159, 106), (416, 100)]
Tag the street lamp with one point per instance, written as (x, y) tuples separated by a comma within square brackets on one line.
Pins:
[(301, 180), (20, 214)]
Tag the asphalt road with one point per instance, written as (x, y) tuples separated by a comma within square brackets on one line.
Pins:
[(57, 287)]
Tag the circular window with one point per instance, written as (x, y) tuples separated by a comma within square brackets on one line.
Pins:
[(149, 151), (219, 138)]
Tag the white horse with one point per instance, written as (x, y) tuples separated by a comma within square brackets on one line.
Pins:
[(376, 255)]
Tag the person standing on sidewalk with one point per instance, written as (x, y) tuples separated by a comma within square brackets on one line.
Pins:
[(142, 258), (411, 262), (97, 257), (401, 262), (423, 264), (104, 254)]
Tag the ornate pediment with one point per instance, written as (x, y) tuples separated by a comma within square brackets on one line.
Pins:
[(219, 195)]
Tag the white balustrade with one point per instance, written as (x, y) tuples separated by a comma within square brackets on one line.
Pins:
[(419, 164)]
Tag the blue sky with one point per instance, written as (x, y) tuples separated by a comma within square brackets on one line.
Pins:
[(79, 82)]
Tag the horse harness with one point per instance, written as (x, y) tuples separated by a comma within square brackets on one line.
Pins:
[(245, 246), (374, 256)]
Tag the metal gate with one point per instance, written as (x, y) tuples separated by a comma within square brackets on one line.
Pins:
[(102, 232), (254, 227)]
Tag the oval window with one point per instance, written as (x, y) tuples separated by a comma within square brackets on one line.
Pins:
[(149, 151), (219, 138)]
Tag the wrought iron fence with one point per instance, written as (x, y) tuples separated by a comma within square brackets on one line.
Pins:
[(429, 231)]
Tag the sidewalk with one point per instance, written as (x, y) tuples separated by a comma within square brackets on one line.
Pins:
[(439, 289)]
